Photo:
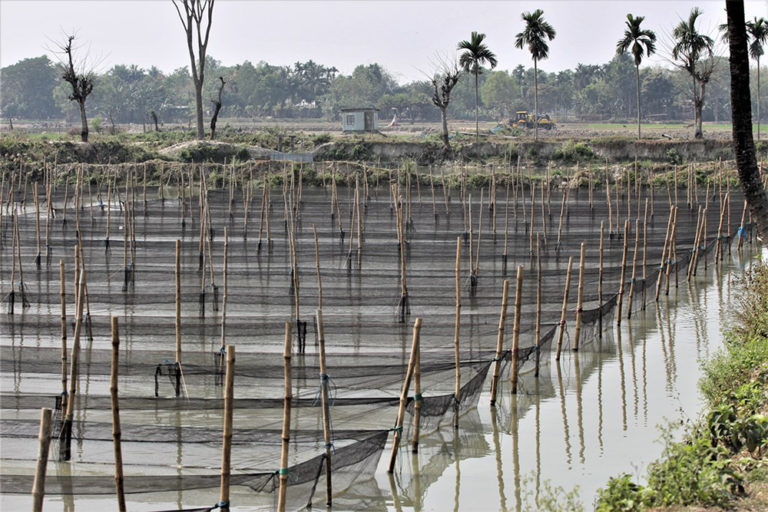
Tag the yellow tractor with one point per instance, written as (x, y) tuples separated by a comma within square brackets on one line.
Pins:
[(524, 119)]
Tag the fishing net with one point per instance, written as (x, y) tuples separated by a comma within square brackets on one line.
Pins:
[(272, 267)]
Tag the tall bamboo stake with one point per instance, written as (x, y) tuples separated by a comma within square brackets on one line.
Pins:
[(416, 401), (398, 430), (516, 329), (74, 371), (44, 441), (116, 432), (564, 309), (456, 330), (177, 324), (286, 436), (226, 441), (579, 299), (538, 305), (634, 269), (63, 296), (224, 292), (623, 272), (326, 412), (499, 342), (664, 255)]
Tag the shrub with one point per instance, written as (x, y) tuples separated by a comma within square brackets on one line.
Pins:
[(622, 495)]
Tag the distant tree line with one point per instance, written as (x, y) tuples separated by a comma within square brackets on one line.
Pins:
[(33, 89)]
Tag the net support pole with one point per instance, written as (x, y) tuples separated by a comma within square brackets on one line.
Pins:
[(632, 280), (579, 299), (398, 430), (538, 302), (456, 332), (326, 411), (44, 441), (499, 342), (600, 281), (74, 368), (63, 296), (116, 432), (178, 302), (673, 251), (623, 272), (741, 233), (664, 255), (226, 442), (286, 433), (225, 285), (516, 328), (416, 401), (564, 309)]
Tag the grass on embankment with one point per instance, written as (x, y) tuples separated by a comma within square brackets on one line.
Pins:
[(722, 460)]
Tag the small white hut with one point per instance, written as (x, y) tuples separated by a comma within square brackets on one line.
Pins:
[(359, 119)]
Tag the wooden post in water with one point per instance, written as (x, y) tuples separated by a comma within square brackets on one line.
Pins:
[(286, 435), (63, 295), (623, 272), (516, 329), (66, 442), (741, 233), (398, 430), (44, 441), (564, 309), (538, 305), (600, 281), (456, 331), (116, 432), (178, 302), (226, 442), (499, 342), (664, 254), (672, 251), (416, 401), (579, 299), (326, 412), (224, 293), (634, 269)]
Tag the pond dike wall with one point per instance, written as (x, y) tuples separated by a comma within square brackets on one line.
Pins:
[(572, 149)]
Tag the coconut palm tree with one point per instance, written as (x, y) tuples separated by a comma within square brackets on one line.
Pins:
[(637, 40), (535, 36), (757, 34), (474, 56), (690, 47)]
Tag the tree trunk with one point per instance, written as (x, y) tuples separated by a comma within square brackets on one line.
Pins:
[(758, 98), (698, 105), (741, 107), (199, 109), (535, 100), (83, 122), (444, 118), (637, 76), (477, 124)]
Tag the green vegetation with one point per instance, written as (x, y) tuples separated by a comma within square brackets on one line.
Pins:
[(728, 447)]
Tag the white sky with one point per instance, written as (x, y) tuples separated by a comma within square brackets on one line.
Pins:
[(404, 36)]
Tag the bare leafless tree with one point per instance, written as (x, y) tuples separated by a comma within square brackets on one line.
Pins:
[(77, 73), (443, 82), (196, 17), (216, 108)]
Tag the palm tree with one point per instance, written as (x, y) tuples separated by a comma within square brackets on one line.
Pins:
[(757, 34), (743, 143), (689, 47), (639, 40), (535, 36), (475, 55)]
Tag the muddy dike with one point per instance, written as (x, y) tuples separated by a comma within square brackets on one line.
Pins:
[(426, 152)]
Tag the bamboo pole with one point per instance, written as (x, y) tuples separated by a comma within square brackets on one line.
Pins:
[(456, 331), (63, 296), (499, 342), (564, 309), (225, 278), (664, 254), (74, 370), (516, 329), (286, 434), (177, 324), (741, 233), (673, 251), (416, 401), (44, 441), (579, 299), (538, 305), (634, 269), (116, 432), (326, 412), (226, 442), (623, 272), (398, 430)]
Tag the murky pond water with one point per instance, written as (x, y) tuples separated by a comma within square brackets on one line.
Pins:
[(586, 417)]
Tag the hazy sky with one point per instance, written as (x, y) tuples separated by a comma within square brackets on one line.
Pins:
[(404, 36)]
